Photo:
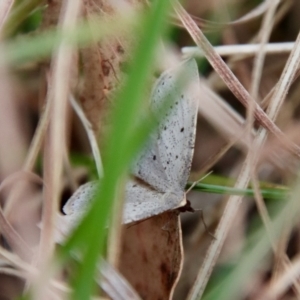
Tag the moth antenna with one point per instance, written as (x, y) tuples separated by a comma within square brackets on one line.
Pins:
[(196, 182)]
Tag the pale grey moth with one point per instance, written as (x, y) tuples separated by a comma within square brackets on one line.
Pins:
[(163, 166)]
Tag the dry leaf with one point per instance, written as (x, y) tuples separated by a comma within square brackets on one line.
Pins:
[(151, 257)]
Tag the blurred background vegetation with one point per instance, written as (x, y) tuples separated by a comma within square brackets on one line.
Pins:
[(30, 36)]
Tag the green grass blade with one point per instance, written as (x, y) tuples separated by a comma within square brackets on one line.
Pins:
[(114, 164), (279, 193), (35, 47)]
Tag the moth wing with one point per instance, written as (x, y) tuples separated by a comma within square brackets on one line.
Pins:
[(166, 160), (142, 202), (79, 202)]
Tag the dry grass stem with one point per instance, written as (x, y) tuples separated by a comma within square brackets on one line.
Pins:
[(58, 94), (38, 138), (14, 239), (233, 203), (91, 136), (231, 81), (244, 177), (245, 50), (264, 36), (209, 25), (283, 282), (280, 14), (279, 253)]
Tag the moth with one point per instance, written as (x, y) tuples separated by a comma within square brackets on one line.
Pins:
[(162, 168)]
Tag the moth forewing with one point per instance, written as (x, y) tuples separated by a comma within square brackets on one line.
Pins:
[(163, 167)]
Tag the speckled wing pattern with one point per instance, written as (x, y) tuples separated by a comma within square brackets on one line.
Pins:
[(164, 164), (80, 200)]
